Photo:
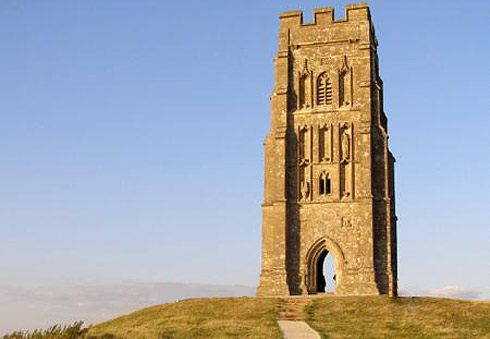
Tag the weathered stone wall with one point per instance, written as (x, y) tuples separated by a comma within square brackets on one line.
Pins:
[(328, 170)]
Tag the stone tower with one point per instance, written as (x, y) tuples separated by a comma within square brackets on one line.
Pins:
[(329, 186)]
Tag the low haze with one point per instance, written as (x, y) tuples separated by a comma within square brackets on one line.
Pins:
[(131, 138)]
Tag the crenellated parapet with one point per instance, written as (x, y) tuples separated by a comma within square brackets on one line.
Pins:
[(325, 16), (294, 32)]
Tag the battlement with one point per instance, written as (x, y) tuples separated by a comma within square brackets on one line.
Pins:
[(325, 16)]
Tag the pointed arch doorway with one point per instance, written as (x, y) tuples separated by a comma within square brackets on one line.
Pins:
[(325, 265), (325, 277)]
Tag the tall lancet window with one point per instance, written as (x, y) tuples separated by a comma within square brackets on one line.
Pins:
[(324, 90), (324, 184)]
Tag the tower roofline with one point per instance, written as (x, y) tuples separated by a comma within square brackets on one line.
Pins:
[(353, 13)]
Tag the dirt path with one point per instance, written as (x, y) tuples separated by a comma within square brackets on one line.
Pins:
[(295, 329), (291, 319)]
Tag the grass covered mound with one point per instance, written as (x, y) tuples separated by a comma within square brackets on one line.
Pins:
[(400, 318), (198, 318), (333, 317)]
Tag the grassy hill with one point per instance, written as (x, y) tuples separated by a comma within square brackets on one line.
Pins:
[(333, 317), (400, 318), (198, 318)]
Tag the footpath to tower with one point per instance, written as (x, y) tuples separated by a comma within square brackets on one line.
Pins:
[(297, 330), (291, 319)]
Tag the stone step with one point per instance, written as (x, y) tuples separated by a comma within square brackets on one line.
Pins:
[(293, 309)]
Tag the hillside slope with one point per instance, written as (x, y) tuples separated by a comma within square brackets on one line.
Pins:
[(334, 317), (247, 318), (400, 318)]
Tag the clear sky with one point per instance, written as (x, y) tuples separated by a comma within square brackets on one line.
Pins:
[(131, 138)]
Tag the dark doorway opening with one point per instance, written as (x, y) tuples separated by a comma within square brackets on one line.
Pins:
[(325, 273)]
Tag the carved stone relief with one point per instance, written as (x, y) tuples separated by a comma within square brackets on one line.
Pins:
[(346, 222), (304, 182), (305, 190)]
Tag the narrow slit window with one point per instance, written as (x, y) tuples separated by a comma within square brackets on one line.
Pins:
[(327, 186)]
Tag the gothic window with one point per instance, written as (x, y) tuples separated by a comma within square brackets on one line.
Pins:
[(324, 90), (324, 185)]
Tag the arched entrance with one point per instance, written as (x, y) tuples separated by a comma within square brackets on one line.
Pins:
[(325, 277), (315, 271)]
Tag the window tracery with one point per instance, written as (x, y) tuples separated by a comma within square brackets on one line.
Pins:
[(324, 90)]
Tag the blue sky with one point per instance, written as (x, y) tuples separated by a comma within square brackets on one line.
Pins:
[(131, 138)]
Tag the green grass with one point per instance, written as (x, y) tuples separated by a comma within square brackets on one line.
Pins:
[(400, 318), (255, 318)]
